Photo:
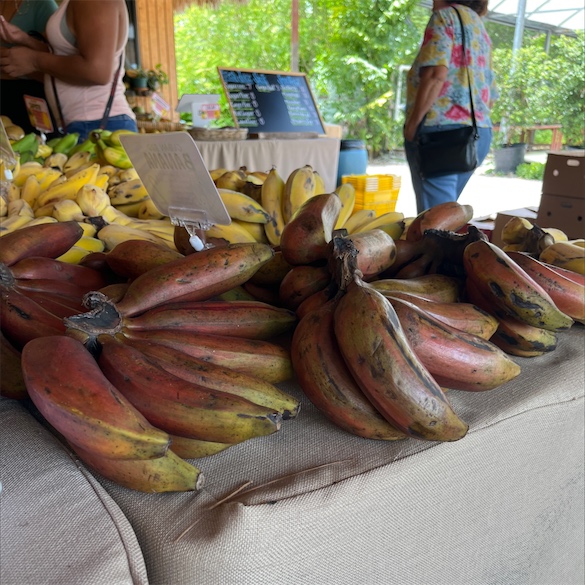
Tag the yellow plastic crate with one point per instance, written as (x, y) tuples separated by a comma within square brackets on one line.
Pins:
[(376, 192), (372, 183)]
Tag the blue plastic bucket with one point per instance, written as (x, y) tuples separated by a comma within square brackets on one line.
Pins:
[(353, 159)]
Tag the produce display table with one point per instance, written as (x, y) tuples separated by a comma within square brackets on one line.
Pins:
[(504, 505), (286, 154)]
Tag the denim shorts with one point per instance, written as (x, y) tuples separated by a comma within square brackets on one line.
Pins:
[(121, 122)]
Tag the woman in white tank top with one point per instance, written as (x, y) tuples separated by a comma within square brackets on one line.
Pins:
[(84, 66)]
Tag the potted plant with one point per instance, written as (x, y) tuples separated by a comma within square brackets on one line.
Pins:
[(156, 77), (137, 78)]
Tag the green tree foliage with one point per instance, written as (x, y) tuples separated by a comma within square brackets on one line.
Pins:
[(352, 53), (537, 87)]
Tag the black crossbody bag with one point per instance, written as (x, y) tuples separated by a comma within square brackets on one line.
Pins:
[(450, 151)]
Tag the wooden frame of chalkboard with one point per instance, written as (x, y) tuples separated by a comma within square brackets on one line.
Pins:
[(270, 103)]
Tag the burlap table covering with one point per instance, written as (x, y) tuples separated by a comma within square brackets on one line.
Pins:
[(503, 506), (58, 525)]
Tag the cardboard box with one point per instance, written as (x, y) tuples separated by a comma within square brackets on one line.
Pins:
[(564, 213), (502, 218), (564, 174)]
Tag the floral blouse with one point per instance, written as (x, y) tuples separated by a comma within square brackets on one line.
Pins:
[(442, 46)]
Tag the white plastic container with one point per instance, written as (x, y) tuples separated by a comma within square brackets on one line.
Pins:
[(203, 107)]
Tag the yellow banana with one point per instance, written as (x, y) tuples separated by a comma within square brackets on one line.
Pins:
[(394, 230), (41, 220), (117, 157), (3, 207), (358, 218), (128, 192), (92, 200), (112, 235), (148, 210), (271, 198), (299, 187), (579, 242), (30, 190), (565, 255), (557, 234), (241, 206), (127, 174), (256, 230), (113, 215), (319, 184), (45, 210), (384, 219), (217, 173), (233, 233), (88, 229), (232, 180), (44, 150), (56, 160), (20, 207), (102, 181), (346, 192), (70, 188), (77, 160), (19, 214), (114, 138), (74, 255), (67, 210), (515, 230), (90, 243), (12, 223), (50, 178), (25, 170), (14, 193), (132, 209)]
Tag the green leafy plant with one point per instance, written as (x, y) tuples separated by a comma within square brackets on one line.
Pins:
[(156, 77), (531, 170)]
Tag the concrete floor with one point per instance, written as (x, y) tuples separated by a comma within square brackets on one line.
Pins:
[(487, 193)]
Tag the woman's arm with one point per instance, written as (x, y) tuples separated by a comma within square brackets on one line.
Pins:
[(95, 24), (432, 80), (10, 33)]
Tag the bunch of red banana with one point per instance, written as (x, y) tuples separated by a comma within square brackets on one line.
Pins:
[(166, 365), (300, 267), (105, 430), (532, 301), (375, 356), (201, 368), (36, 289)]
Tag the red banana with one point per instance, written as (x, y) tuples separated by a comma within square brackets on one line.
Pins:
[(69, 389), (48, 239), (197, 277)]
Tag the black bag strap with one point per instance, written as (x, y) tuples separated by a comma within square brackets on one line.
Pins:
[(466, 68), (106, 115)]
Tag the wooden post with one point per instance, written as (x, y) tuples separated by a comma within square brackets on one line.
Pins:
[(156, 41)]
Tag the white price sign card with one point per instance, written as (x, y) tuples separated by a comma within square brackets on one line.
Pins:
[(174, 174)]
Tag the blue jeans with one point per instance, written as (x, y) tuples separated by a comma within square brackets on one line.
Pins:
[(121, 122), (431, 191)]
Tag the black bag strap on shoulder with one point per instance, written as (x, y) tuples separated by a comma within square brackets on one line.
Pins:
[(108, 104), (474, 123)]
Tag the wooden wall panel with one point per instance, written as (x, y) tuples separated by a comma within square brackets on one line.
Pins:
[(156, 41)]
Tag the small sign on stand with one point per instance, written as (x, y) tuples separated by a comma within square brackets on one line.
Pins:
[(174, 174)]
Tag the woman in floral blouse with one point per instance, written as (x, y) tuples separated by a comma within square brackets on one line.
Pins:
[(438, 91)]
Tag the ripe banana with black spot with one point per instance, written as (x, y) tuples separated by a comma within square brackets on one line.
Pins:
[(381, 360), (511, 288)]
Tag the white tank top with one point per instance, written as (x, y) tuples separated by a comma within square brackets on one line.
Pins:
[(82, 103)]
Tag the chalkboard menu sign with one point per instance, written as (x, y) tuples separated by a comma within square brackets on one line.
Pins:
[(271, 101)]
